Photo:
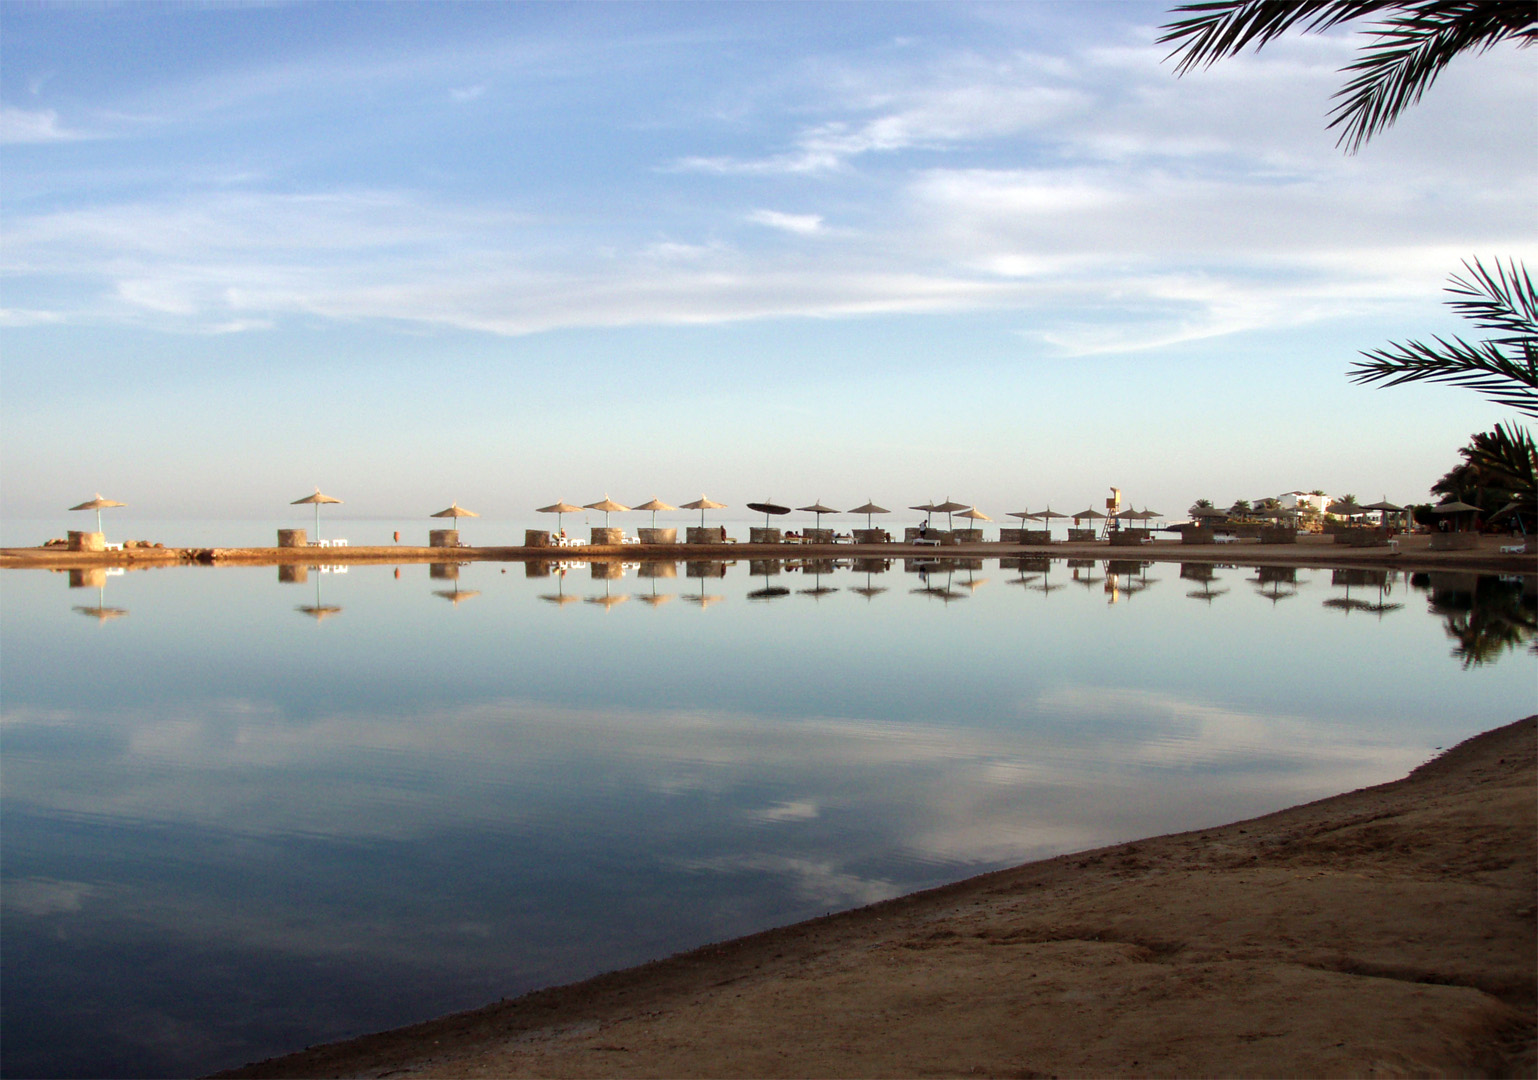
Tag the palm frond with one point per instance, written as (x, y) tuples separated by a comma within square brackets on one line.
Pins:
[(1504, 369), (1499, 299), (1413, 43), (1509, 381), (1216, 29), (1411, 49)]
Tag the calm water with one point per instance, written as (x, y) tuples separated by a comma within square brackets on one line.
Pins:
[(244, 814)]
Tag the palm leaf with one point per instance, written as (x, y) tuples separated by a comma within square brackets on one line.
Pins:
[(1504, 369), (1411, 49), (1416, 40)]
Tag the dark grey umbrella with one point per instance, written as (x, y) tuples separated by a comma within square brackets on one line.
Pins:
[(767, 508)]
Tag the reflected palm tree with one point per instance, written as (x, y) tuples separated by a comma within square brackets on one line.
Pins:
[(1486, 617)]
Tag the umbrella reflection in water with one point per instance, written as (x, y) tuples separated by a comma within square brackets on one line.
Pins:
[(765, 568), (85, 577)]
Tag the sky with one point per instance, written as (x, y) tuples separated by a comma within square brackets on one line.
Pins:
[(505, 254)]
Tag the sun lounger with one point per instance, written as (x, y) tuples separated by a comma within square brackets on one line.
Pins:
[(1224, 538), (1514, 549), (112, 547)]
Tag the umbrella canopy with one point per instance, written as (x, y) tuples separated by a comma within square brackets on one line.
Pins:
[(948, 507), (454, 596), (974, 514), (655, 505), (767, 508), (868, 509), (455, 511), (702, 504), (1089, 515), (1345, 509), (317, 499), (559, 509), (928, 508), (1023, 515), (1209, 512), (608, 506), (99, 504), (1456, 506), (1385, 506), (819, 509)]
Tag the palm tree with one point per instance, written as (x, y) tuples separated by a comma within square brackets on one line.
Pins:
[(1504, 368), (1499, 474), (1415, 40)]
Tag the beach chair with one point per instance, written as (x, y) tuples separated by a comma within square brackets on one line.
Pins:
[(1514, 549)]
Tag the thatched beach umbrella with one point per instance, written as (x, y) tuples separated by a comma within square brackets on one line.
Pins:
[(702, 504), (559, 509), (928, 508), (1088, 515), (819, 509), (972, 513), (456, 512), (949, 507), (608, 506), (1047, 515), (317, 499), (655, 505), (99, 504), (868, 509)]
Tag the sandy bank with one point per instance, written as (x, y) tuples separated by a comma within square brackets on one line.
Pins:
[(1385, 932), (1412, 554)]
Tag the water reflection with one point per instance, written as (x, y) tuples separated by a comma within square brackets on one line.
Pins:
[(1205, 574), (1276, 582), (1365, 581), (96, 578), (1487, 616), (226, 837)]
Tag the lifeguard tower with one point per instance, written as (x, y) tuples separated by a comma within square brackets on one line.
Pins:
[(1112, 508)]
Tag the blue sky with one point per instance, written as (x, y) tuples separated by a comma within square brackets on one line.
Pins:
[(505, 254)]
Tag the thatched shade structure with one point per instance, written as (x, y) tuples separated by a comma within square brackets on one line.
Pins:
[(655, 505), (99, 504), (559, 509), (316, 499), (819, 509), (608, 506), (702, 504), (868, 509)]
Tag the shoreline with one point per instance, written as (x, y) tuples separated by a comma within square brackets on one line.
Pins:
[(1384, 931), (1413, 554)]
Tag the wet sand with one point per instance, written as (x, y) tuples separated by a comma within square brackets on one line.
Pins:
[(1385, 932)]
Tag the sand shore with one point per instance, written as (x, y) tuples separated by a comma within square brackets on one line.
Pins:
[(1413, 553), (1385, 932)]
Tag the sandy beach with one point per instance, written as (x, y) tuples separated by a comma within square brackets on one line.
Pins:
[(1383, 932), (1412, 553)]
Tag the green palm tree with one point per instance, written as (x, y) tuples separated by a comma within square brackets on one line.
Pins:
[(1414, 41)]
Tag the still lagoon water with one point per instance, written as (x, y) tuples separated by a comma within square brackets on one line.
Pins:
[(244, 813)]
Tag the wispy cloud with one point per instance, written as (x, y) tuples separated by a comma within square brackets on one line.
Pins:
[(801, 224), (34, 126)]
